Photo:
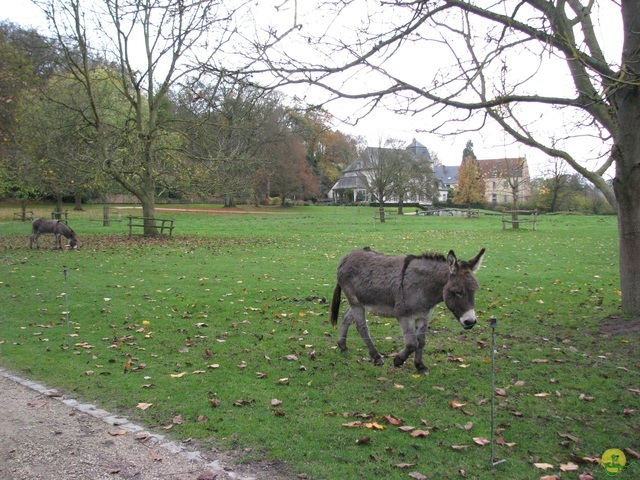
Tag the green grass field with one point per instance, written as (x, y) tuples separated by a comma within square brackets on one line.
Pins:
[(224, 330)]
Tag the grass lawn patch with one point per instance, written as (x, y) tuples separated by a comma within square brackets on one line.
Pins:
[(223, 332)]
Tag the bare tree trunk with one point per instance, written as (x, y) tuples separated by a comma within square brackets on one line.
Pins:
[(627, 159), (147, 198), (23, 210), (514, 216), (106, 217), (59, 205), (77, 198), (229, 200)]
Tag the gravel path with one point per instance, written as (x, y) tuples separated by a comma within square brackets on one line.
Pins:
[(47, 436)]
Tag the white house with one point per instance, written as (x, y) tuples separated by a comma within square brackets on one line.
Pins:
[(352, 186)]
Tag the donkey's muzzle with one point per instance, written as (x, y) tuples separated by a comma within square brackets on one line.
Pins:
[(468, 320)]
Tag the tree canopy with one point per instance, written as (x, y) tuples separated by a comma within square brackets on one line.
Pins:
[(549, 73)]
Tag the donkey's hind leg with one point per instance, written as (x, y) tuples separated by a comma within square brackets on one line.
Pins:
[(363, 329), (34, 239), (347, 319)]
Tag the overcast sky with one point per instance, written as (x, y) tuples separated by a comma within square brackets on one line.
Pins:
[(380, 125)]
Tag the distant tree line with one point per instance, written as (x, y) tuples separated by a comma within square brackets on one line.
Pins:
[(80, 115)]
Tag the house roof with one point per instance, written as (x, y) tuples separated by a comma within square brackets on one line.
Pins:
[(447, 174), (418, 150), (363, 162), (350, 179), (503, 167)]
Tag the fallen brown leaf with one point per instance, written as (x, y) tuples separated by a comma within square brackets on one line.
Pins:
[(417, 476), (392, 420), (568, 467), (178, 420), (466, 426), (373, 426), (481, 441), (154, 456), (356, 424), (573, 438)]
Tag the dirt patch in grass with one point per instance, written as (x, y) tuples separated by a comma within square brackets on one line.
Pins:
[(616, 325)]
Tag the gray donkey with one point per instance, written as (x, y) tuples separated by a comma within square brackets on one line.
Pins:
[(56, 228), (406, 287)]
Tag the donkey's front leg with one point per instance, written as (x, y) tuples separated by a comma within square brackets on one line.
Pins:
[(410, 341), (421, 329)]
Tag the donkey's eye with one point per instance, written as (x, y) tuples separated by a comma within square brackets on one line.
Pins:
[(457, 293)]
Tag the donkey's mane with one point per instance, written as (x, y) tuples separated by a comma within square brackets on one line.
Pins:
[(436, 257), (432, 256)]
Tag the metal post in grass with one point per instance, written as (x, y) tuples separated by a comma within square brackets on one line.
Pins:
[(66, 309), (493, 325)]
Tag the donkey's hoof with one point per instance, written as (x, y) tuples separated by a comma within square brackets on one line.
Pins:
[(343, 348), (422, 369), (378, 361), (397, 361)]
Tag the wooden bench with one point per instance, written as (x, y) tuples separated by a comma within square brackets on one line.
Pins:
[(162, 224), (28, 215), (531, 217)]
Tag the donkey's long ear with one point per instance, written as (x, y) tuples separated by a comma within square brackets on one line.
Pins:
[(453, 262), (476, 261)]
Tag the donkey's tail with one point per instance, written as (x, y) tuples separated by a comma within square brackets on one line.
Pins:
[(335, 305)]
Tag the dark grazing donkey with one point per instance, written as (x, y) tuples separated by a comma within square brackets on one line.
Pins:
[(56, 228), (406, 287)]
